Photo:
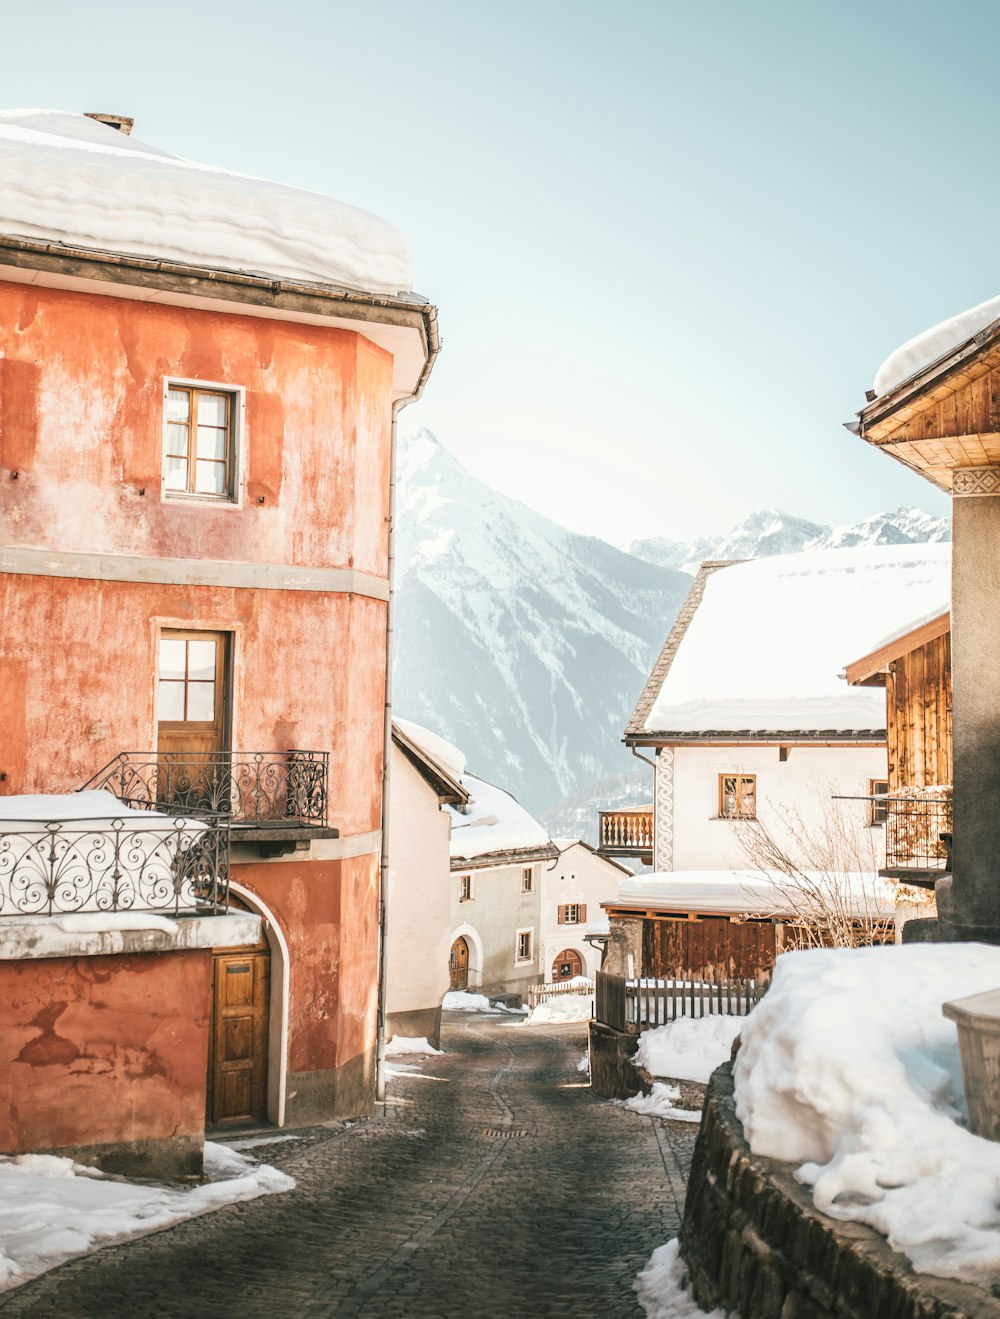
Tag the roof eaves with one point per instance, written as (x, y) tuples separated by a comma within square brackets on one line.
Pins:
[(636, 727), (785, 735), (504, 857), (448, 789), (893, 398)]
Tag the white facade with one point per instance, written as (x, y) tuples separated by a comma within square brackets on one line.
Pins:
[(794, 795), (579, 879), (419, 911), (497, 918)]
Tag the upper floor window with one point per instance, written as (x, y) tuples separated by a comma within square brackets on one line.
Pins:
[(878, 809), (465, 889), (572, 913), (738, 796), (527, 880), (524, 949), (200, 449)]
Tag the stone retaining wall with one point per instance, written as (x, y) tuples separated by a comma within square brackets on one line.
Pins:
[(754, 1243)]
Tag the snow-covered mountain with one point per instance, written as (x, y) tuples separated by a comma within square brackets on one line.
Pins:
[(770, 531), (518, 640)]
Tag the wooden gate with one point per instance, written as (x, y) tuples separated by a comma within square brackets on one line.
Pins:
[(714, 948), (237, 1071)]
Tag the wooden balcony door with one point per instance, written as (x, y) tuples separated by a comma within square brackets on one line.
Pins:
[(237, 1073), (193, 706)]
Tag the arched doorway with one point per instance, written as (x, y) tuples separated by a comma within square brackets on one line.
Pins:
[(459, 964), (239, 1038), (567, 964)]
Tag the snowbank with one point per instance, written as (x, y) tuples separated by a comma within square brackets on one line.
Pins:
[(660, 1102), (800, 618), (926, 348), (69, 179), (52, 1209), (562, 1007), (460, 1000), (690, 1048), (848, 1068), (404, 1044), (661, 1287)]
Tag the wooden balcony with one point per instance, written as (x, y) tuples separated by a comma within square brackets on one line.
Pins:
[(627, 832)]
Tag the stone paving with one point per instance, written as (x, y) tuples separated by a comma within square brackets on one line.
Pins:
[(494, 1185)]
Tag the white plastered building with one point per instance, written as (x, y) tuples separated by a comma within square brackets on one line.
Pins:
[(747, 714)]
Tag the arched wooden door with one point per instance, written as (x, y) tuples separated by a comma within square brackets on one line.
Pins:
[(567, 964), (459, 964)]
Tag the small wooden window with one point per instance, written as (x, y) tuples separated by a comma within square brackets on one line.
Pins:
[(527, 879), (200, 450), (738, 796), (524, 945), (465, 889), (878, 810), (572, 913)]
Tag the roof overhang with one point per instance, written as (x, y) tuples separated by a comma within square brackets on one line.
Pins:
[(449, 791), (764, 737), (864, 671), (510, 857), (405, 326)]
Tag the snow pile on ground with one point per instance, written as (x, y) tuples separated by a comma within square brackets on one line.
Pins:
[(461, 1000), (848, 1067), (660, 1102), (690, 1048), (561, 1007), (932, 344), (69, 179), (662, 1287), (800, 619), (52, 1209), (403, 1044)]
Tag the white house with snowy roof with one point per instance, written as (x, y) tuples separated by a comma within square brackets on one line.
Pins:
[(747, 712), (498, 854)]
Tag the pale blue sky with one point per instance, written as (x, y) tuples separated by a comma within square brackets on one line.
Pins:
[(671, 242)]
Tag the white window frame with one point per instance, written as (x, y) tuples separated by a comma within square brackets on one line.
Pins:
[(518, 959), (575, 907), (238, 410), (465, 883)]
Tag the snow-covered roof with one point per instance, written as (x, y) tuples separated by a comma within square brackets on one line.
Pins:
[(747, 892), (443, 753), (494, 823), (564, 845), (69, 179), (763, 651), (934, 344)]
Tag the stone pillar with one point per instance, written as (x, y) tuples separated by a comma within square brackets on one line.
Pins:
[(969, 906)]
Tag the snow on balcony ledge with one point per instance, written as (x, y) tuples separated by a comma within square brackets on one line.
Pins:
[(101, 934)]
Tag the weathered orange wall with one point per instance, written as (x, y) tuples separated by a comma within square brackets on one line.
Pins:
[(101, 1050), (81, 656), (328, 913), (81, 422)]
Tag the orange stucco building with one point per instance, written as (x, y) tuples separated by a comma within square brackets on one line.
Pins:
[(195, 506)]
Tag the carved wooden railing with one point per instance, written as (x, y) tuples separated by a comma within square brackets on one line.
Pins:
[(625, 832)]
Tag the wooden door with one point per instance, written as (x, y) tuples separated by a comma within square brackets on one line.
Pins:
[(237, 1072), (192, 713), (567, 964), (460, 964)]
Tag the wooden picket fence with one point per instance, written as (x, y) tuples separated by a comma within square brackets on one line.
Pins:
[(555, 988), (638, 1004)]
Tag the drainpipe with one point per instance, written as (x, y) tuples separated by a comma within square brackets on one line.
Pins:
[(433, 348)]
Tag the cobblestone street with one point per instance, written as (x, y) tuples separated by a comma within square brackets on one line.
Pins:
[(494, 1186)]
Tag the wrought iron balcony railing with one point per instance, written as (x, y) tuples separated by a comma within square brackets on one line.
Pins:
[(627, 832), (248, 788), (172, 867), (918, 825)]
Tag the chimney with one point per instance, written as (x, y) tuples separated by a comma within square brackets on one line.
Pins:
[(120, 121)]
